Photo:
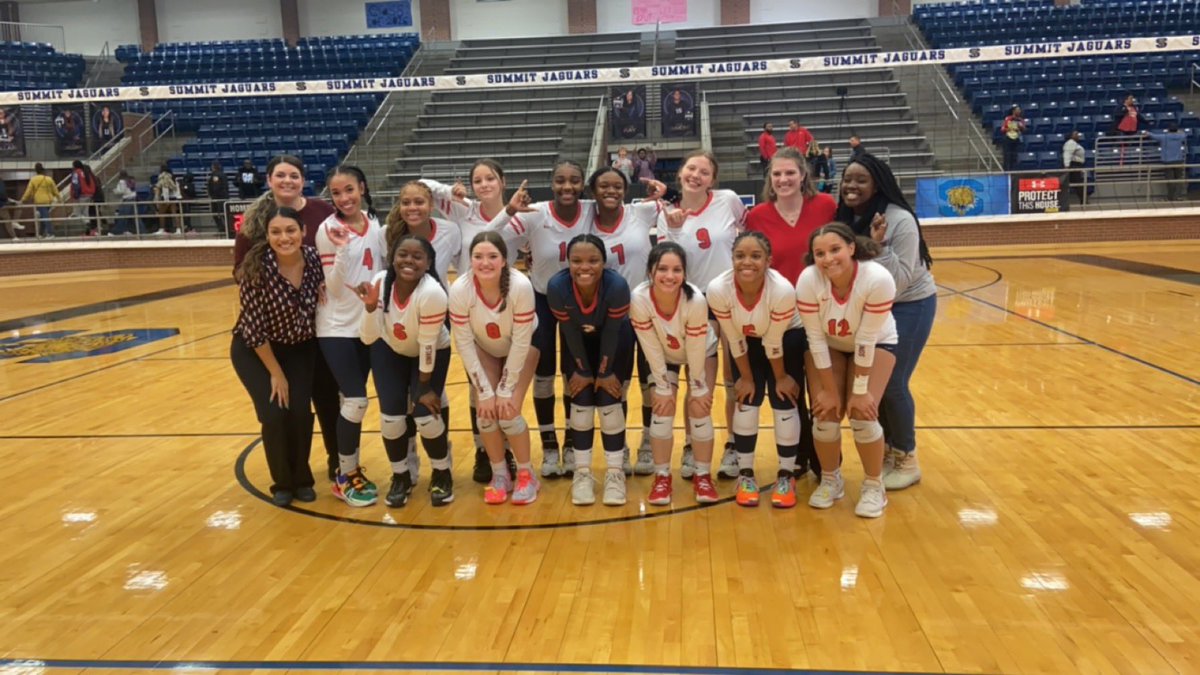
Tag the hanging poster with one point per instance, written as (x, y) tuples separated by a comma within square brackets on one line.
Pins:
[(12, 136), (107, 124), (68, 130), (679, 110), (655, 11), (627, 116)]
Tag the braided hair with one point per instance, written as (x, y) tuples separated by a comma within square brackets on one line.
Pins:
[(757, 236), (390, 280), (494, 238), (588, 238), (887, 191), (663, 248)]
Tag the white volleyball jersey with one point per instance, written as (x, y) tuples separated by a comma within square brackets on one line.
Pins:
[(416, 327), (628, 243), (345, 268), (503, 333), (765, 317), (547, 236), (470, 218), (682, 338), (446, 238), (707, 236), (853, 324)]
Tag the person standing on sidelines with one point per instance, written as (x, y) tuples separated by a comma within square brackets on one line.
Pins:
[(217, 188), (274, 346), (845, 303), (797, 137), (42, 193), (1073, 158), (1011, 130), (767, 145)]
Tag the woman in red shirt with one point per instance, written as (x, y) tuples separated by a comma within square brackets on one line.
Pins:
[(791, 209)]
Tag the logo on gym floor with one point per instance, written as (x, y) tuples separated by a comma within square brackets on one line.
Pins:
[(66, 345)]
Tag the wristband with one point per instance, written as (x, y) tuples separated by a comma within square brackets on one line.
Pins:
[(860, 385)]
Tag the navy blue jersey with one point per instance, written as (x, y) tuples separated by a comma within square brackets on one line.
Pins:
[(606, 317)]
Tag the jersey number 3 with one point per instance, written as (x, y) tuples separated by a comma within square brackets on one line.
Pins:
[(839, 328)]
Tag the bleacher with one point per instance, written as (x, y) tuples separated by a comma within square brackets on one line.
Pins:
[(1058, 95), (33, 65), (613, 50), (852, 36), (318, 129)]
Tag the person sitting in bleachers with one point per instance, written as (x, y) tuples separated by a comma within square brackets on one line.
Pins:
[(1012, 129)]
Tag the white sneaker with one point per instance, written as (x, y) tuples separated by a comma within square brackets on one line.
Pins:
[(551, 466), (614, 488), (17, 226), (160, 233), (889, 459), (905, 470), (583, 488), (625, 464), (872, 500), (645, 459), (829, 491), (729, 465), (687, 466), (568, 462)]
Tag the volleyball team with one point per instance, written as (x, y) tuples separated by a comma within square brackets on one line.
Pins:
[(821, 309)]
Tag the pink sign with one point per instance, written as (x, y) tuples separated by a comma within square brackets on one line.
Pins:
[(653, 11)]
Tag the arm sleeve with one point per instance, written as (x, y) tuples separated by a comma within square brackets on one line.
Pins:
[(571, 333), (806, 304), (876, 309), (616, 302), (696, 326), (516, 230), (643, 328), (252, 314), (443, 200), (432, 316), (521, 297), (722, 308), (783, 310), (902, 254), (464, 341), (646, 213)]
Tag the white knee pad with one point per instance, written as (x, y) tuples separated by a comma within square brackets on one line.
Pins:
[(583, 417), (514, 426), (543, 386), (445, 399), (745, 420), (354, 409), (392, 426), (827, 432), (660, 427), (430, 427), (612, 419), (487, 426), (787, 427), (702, 429), (866, 431)]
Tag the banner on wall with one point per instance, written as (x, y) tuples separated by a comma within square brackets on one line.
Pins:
[(107, 124), (12, 135), (1037, 193), (68, 130), (627, 112), (394, 14), (679, 110), (960, 197), (654, 11)]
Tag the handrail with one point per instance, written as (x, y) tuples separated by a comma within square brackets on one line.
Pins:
[(705, 123), (595, 159), (102, 60), (1193, 85)]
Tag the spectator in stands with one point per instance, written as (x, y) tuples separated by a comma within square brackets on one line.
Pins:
[(623, 163), (1126, 118), (811, 155), (188, 195), (1173, 144), (856, 148), (10, 223), (167, 196), (643, 166), (126, 190), (1073, 159), (249, 183), (1011, 131), (218, 192), (767, 145), (43, 192), (797, 137), (871, 202), (83, 192), (825, 169)]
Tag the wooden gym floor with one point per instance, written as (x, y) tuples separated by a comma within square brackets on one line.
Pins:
[(1056, 529)]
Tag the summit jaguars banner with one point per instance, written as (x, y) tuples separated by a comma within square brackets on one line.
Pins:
[(960, 197)]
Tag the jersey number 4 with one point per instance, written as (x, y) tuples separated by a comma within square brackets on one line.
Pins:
[(839, 328), (368, 260)]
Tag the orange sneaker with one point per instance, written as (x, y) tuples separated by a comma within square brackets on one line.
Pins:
[(784, 494), (747, 490), (497, 490)]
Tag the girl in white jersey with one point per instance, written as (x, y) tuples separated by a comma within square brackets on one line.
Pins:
[(492, 320), (756, 308), (670, 318), (352, 248), (845, 302), (405, 324), (705, 225)]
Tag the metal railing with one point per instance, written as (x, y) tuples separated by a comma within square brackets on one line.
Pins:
[(133, 219), (102, 60), (1194, 81), (597, 156), (705, 123)]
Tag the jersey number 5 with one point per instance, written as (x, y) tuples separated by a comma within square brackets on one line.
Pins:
[(398, 331), (839, 328)]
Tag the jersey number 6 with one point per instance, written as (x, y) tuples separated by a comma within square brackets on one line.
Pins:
[(398, 331)]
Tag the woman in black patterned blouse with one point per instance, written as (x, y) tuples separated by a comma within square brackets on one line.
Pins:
[(274, 348)]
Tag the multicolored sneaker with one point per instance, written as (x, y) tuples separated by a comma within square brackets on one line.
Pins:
[(747, 490), (401, 488), (352, 489), (784, 494), (706, 492), (687, 466), (660, 492), (497, 491), (441, 487), (527, 488)]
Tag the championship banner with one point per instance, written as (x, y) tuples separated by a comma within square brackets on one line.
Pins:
[(1037, 193), (960, 197), (68, 130), (107, 124), (627, 112), (666, 73), (679, 110), (12, 136)]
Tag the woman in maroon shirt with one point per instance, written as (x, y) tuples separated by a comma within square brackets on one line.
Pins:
[(285, 178), (274, 347)]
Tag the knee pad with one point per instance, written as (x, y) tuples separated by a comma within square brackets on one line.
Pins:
[(745, 420), (702, 429), (392, 426), (354, 409), (543, 386), (430, 427), (514, 426), (612, 419), (487, 426), (445, 399), (660, 427), (583, 417), (787, 427), (827, 432), (866, 431), (625, 391)]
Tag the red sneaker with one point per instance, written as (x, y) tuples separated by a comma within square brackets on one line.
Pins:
[(660, 493), (706, 492)]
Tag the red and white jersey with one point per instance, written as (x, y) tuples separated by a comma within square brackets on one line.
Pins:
[(853, 324), (446, 238), (547, 236), (707, 236), (503, 333), (416, 327), (470, 218), (628, 243), (765, 317), (345, 268), (681, 338)]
